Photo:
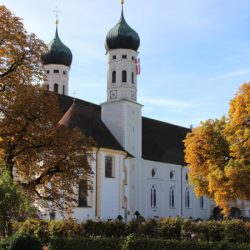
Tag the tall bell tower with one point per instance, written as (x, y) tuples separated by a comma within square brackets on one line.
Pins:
[(121, 113)]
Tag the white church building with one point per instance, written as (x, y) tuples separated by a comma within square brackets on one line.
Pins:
[(138, 162)]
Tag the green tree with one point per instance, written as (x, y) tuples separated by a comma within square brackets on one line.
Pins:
[(14, 204), (218, 154)]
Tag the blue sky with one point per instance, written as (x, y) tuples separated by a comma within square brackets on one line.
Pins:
[(194, 53)]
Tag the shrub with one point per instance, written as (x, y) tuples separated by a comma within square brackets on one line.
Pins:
[(94, 228), (85, 244), (170, 228), (68, 229), (132, 243), (39, 228), (114, 228), (23, 242), (235, 231)]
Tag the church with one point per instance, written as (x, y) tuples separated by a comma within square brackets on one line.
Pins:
[(138, 162)]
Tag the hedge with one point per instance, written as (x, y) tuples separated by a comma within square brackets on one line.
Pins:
[(141, 244), (166, 228)]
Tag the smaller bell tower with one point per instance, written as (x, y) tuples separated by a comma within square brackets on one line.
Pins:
[(56, 62)]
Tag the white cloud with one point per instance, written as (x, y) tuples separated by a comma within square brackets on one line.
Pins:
[(236, 73), (164, 102)]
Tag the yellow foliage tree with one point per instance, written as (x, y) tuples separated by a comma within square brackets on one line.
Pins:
[(218, 154), (46, 159)]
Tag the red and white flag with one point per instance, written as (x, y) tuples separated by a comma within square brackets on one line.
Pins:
[(137, 66)]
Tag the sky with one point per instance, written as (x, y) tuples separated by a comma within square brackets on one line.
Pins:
[(194, 54)]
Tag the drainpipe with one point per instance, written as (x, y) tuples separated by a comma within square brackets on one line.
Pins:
[(181, 194), (96, 183)]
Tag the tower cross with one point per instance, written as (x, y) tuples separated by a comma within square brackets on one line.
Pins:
[(56, 11)]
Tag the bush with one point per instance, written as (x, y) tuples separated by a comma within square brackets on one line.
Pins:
[(38, 228), (132, 243), (85, 244), (114, 228), (23, 242), (170, 228), (68, 229), (235, 231)]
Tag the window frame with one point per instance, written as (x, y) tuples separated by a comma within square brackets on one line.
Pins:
[(109, 173), (83, 194), (124, 76), (172, 197)]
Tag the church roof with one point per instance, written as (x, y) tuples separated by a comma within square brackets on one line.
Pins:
[(86, 117), (161, 141)]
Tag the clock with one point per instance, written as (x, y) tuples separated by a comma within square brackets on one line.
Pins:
[(133, 95), (113, 94)]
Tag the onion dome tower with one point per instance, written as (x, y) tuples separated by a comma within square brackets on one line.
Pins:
[(57, 61), (121, 44)]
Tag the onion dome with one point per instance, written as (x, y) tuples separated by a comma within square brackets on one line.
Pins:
[(122, 36), (57, 53)]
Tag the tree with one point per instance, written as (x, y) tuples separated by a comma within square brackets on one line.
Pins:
[(14, 205), (20, 53), (45, 158), (218, 154)]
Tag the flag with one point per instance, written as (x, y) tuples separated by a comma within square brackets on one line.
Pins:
[(137, 66)]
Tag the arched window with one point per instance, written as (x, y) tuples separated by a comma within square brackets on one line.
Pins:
[(109, 168), (56, 88), (63, 90), (202, 202), (124, 76), (114, 76), (153, 196), (187, 198), (171, 198), (83, 194), (132, 77)]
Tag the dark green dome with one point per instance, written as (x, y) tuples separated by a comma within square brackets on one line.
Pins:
[(57, 53), (122, 36)]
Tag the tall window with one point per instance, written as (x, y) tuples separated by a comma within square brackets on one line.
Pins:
[(83, 194), (187, 198), (109, 168), (171, 198), (153, 196), (63, 90), (124, 76), (56, 88), (114, 76), (201, 202), (132, 77)]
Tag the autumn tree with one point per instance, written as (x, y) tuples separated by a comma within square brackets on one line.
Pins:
[(45, 158), (218, 154), (20, 53)]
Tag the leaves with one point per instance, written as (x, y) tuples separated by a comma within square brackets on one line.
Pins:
[(47, 159), (218, 154)]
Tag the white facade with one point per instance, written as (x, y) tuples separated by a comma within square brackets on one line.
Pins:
[(57, 78)]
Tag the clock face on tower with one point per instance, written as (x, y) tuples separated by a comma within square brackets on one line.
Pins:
[(113, 94), (133, 95)]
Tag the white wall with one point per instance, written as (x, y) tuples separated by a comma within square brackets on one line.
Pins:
[(163, 182), (61, 78)]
